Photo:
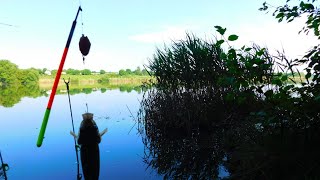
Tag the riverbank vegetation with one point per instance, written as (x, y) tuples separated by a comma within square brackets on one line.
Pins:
[(241, 112), (17, 83), (10, 75), (46, 81)]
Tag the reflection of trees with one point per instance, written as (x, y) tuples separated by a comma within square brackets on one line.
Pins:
[(183, 157), (74, 91), (103, 90), (128, 88), (270, 154), (179, 143), (186, 137), (87, 90), (10, 95)]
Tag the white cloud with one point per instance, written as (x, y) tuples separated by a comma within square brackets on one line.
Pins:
[(279, 36)]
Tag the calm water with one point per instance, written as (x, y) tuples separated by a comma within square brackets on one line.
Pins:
[(121, 152)]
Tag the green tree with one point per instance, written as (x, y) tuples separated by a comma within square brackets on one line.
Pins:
[(28, 76), (73, 71), (44, 70), (137, 71), (69, 71), (85, 72), (40, 71), (102, 71), (128, 71), (122, 72), (144, 72), (54, 72), (8, 72), (76, 72)]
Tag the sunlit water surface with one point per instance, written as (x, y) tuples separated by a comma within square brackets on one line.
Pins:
[(121, 150)]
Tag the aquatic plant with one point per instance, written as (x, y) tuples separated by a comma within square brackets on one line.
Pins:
[(248, 95), (267, 122)]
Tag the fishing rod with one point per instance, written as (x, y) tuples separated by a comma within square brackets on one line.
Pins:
[(79, 176), (56, 81), (5, 167)]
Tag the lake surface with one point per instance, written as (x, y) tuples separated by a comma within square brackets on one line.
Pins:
[(121, 150)]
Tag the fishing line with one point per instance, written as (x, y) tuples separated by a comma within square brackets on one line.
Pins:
[(84, 43), (81, 17), (84, 47), (5, 24), (133, 119)]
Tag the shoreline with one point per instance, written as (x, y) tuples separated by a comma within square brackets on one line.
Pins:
[(93, 81)]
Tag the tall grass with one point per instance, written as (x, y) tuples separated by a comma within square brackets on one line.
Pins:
[(242, 93)]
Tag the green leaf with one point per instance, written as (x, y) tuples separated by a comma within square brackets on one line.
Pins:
[(268, 93), (277, 82), (308, 75), (220, 30), (248, 49), (233, 37), (280, 15), (220, 42), (260, 52), (284, 78), (309, 6), (302, 5)]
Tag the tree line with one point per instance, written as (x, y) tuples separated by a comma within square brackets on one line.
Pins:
[(70, 71), (10, 73)]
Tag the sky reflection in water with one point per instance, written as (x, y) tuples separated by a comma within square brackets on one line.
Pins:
[(121, 153)]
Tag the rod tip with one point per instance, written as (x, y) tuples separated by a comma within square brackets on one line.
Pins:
[(39, 144)]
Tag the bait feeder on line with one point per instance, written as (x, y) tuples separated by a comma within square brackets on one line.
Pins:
[(84, 46)]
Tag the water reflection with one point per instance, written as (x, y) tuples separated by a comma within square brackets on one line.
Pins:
[(178, 147), (3, 168), (179, 144), (11, 95), (177, 156), (120, 151)]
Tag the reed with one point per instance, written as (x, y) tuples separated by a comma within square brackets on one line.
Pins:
[(266, 118)]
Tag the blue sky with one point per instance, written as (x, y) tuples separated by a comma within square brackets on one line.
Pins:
[(125, 34)]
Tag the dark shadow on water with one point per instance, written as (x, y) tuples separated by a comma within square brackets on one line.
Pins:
[(176, 155), (181, 142)]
